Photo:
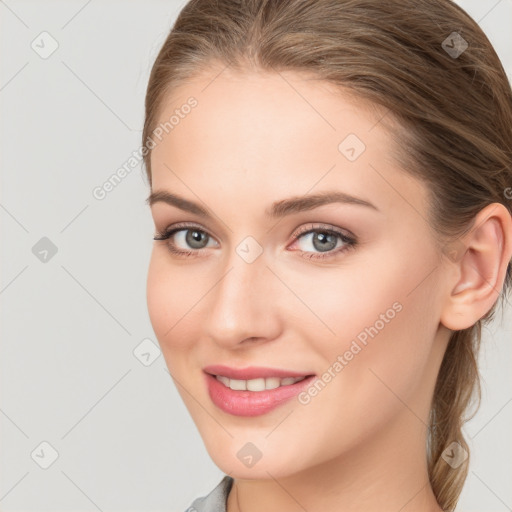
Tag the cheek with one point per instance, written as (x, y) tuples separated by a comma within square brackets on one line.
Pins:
[(388, 294), (352, 302), (367, 383), (382, 325), (170, 298), (159, 297)]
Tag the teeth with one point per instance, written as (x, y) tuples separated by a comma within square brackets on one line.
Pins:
[(288, 380), (224, 380), (237, 384), (257, 384), (272, 383)]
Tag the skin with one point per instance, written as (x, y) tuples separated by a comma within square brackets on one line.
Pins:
[(257, 138)]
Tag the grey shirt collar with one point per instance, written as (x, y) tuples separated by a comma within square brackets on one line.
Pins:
[(216, 500)]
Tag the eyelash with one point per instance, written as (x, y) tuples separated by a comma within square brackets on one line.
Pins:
[(349, 242)]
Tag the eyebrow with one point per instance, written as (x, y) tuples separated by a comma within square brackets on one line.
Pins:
[(278, 209)]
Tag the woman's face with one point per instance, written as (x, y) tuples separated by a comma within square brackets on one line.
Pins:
[(268, 275)]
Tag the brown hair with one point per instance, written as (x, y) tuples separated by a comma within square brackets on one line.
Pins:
[(454, 113)]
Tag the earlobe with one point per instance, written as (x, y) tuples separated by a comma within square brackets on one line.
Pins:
[(484, 254)]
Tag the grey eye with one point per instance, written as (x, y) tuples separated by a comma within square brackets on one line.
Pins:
[(322, 241), (191, 238)]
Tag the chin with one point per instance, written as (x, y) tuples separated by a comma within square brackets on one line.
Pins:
[(246, 460), (261, 470)]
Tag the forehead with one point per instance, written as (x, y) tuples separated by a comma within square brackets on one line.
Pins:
[(255, 106), (274, 134)]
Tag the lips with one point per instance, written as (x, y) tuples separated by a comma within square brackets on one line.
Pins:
[(246, 402), (252, 372)]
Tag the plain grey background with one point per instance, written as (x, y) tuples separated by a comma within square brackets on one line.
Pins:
[(74, 375)]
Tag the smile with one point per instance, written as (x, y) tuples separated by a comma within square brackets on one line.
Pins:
[(260, 384), (255, 396)]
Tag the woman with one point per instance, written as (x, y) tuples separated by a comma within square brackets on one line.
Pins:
[(330, 187)]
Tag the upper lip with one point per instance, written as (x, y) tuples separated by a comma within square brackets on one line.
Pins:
[(251, 372)]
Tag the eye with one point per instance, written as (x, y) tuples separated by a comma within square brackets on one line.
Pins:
[(190, 240), (329, 242), (186, 240)]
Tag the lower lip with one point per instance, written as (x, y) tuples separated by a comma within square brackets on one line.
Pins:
[(251, 403)]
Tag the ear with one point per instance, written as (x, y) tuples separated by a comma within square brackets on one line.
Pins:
[(479, 260)]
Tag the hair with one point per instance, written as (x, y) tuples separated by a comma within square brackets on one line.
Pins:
[(453, 112)]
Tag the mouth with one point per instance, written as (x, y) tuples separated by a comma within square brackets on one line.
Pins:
[(252, 372), (262, 389), (258, 384)]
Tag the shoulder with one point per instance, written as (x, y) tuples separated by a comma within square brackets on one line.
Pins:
[(215, 501)]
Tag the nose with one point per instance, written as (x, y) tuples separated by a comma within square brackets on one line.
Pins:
[(244, 305)]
